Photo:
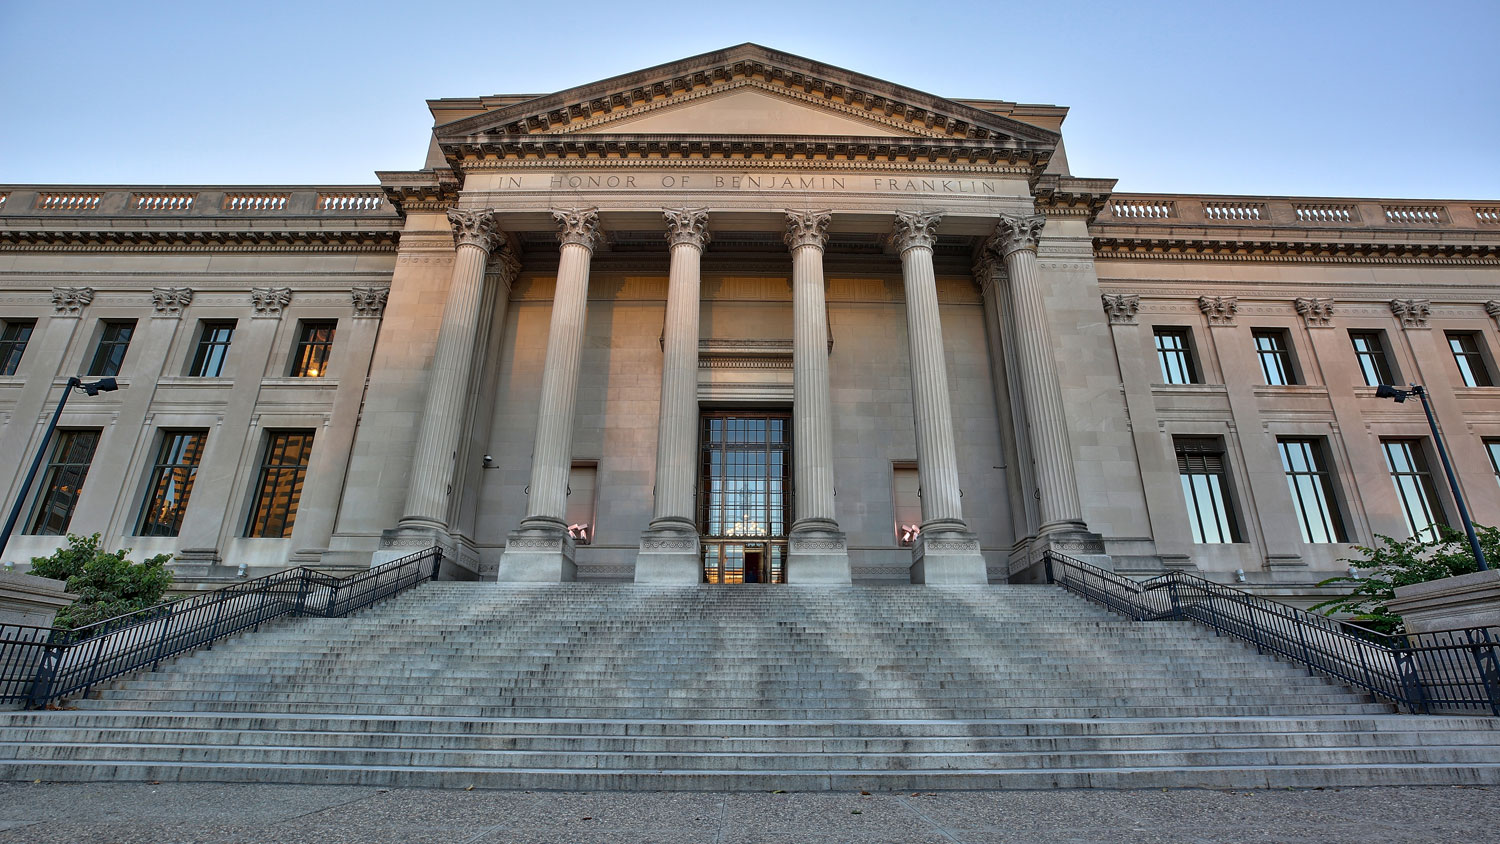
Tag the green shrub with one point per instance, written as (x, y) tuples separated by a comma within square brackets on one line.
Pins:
[(107, 584), (1392, 563)]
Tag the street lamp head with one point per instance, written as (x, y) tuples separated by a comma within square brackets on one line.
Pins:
[(103, 385), (1386, 391)]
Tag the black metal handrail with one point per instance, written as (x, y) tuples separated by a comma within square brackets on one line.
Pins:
[(42, 664), (1447, 671)]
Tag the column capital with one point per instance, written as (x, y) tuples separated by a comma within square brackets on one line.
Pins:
[(369, 302), (70, 301), (687, 226), (169, 301), (1413, 313), (916, 228), (1015, 232), (506, 265), (577, 225), (1121, 307), (474, 227), (807, 228)]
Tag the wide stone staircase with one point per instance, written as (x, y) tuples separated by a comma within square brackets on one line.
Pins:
[(582, 686)]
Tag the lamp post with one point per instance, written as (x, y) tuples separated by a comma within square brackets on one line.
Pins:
[(93, 388), (1386, 391)]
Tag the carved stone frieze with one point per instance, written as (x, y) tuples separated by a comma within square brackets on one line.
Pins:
[(577, 225), (687, 226), (1220, 310), (1413, 313), (807, 228), (369, 302), (70, 301), (169, 301), (474, 227), (269, 302), (1121, 307), (916, 228), (1317, 312), (1017, 231)]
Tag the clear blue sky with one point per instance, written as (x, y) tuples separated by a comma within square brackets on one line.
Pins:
[(1377, 99)]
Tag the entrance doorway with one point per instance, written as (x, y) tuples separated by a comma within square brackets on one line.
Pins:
[(744, 499)]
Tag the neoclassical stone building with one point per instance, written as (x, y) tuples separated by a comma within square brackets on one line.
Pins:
[(744, 317)]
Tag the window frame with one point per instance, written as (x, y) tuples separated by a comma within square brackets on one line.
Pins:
[(265, 511), (303, 353), (1473, 368), (12, 347), (50, 490), (1315, 480), (1379, 357), (103, 363), (163, 473), (1279, 350), (1415, 448), (1186, 353), (1492, 448), (207, 349), (1220, 495)]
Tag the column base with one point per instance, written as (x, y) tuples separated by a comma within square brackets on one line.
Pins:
[(541, 554), (669, 555), (818, 555), (460, 560), (1080, 544), (948, 558)]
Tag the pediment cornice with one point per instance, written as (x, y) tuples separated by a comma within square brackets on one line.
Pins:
[(748, 66)]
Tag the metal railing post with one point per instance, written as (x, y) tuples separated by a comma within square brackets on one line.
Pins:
[(1489, 667), (46, 672), (301, 591), (437, 561), (1416, 694)]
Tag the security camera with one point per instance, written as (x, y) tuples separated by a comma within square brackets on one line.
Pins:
[(488, 461)]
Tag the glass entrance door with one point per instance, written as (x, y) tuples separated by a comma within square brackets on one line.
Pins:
[(744, 499)]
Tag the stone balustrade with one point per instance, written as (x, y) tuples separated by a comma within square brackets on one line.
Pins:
[(1310, 212), (190, 201)]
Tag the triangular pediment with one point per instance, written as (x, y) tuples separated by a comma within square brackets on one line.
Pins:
[(747, 107), (748, 90)]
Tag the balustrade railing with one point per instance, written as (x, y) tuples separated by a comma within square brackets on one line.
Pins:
[(1449, 671), (42, 664)]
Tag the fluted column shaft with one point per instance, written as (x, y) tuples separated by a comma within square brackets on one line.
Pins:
[(812, 413), (433, 464), (552, 455), (1015, 239), (937, 453), (677, 426)]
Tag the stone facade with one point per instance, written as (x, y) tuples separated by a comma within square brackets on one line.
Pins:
[(570, 280)]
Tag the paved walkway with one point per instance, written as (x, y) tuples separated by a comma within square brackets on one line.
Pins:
[(271, 814)]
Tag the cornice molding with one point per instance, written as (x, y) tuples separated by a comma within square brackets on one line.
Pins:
[(665, 163), (1296, 252), (913, 229), (162, 240)]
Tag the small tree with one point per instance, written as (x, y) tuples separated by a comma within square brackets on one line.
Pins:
[(107, 584), (1392, 563)]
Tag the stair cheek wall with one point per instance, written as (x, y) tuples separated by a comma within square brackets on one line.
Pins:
[(750, 687)]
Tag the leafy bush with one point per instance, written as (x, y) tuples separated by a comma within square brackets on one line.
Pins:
[(106, 583), (1392, 563)]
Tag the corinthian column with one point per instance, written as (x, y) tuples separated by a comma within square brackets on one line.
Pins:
[(433, 469), (669, 547), (945, 550), (818, 551), (1015, 240), (540, 549)]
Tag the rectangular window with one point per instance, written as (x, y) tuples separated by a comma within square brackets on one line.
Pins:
[(1275, 354), (1471, 368), (13, 340), (110, 353), (213, 348), (1493, 447), (1419, 501), (63, 482), (1175, 353), (1369, 350), (1312, 490), (279, 487), (314, 345), (171, 482), (1205, 486)]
